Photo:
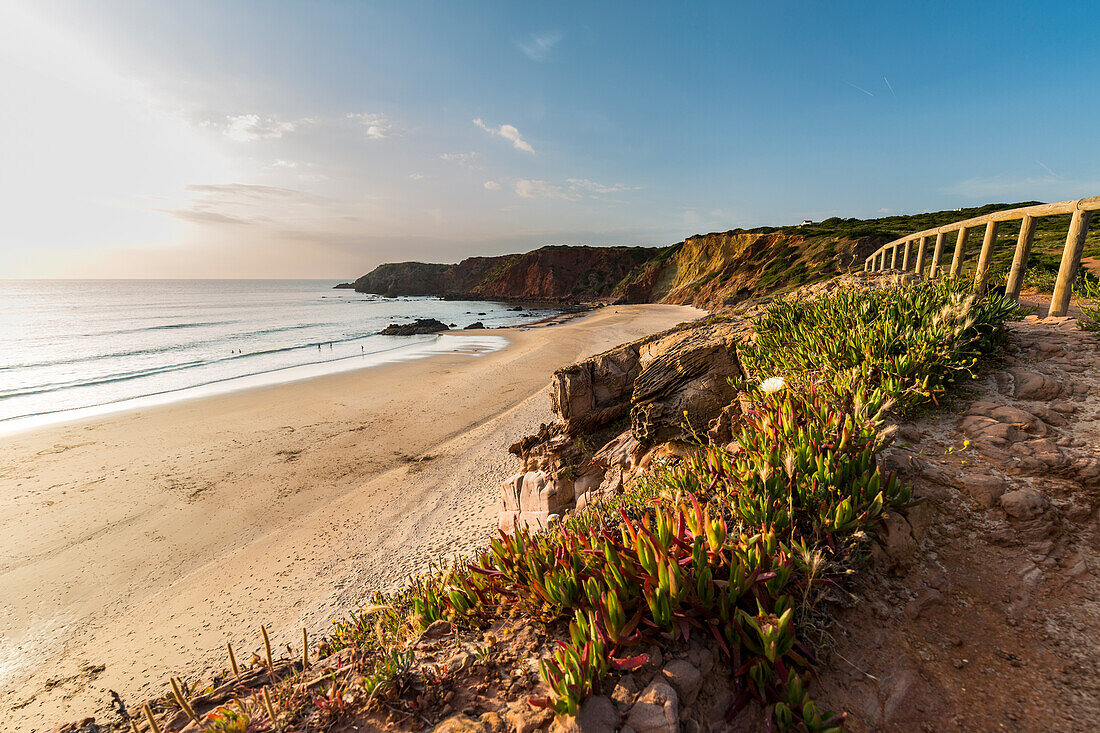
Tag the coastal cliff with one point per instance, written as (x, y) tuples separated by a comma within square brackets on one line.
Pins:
[(712, 271), (707, 271), (556, 273)]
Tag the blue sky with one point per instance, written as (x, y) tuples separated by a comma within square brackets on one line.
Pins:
[(317, 139)]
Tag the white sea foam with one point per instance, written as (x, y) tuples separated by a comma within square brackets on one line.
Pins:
[(77, 349)]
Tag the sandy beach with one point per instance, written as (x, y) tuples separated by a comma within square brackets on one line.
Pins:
[(133, 546)]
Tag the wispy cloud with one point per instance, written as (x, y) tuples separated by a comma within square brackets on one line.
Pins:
[(538, 46), (416, 176), (574, 189), (596, 189), (251, 127), (239, 204), (508, 132), (1047, 187), (235, 192), (492, 186), (536, 189), (375, 126), (198, 215), (890, 87), (460, 158)]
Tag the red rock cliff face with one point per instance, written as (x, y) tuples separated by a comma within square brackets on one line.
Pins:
[(556, 273), (710, 271), (564, 273)]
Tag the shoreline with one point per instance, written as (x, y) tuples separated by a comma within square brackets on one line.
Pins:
[(136, 544), (267, 378), (492, 339)]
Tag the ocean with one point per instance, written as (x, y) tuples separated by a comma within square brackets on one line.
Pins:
[(77, 348)]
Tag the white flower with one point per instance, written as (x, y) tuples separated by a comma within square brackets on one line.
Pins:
[(771, 384), (551, 518)]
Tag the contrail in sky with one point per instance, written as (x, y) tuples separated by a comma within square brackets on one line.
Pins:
[(889, 86), (853, 86), (1047, 168)]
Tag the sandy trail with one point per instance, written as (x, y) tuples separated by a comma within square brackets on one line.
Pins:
[(133, 546)]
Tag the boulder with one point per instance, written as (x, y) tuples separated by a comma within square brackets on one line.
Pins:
[(1025, 503), (625, 691), (436, 630), (895, 538), (597, 715), (523, 717), (527, 499), (460, 723), (685, 678), (1029, 385), (420, 325), (474, 326), (657, 709), (984, 489)]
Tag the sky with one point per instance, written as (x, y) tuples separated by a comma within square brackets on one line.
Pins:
[(319, 139)]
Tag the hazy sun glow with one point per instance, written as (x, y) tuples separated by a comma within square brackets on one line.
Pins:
[(87, 153), (318, 139)]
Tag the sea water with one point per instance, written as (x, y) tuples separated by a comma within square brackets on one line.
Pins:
[(76, 348)]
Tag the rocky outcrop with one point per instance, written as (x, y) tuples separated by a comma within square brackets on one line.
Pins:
[(420, 325), (674, 386), (685, 381)]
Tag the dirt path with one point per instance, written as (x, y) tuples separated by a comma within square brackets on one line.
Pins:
[(990, 619)]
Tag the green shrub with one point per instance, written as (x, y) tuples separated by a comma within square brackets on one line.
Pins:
[(1087, 290), (906, 342)]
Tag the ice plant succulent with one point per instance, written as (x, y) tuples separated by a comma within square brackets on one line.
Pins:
[(733, 546)]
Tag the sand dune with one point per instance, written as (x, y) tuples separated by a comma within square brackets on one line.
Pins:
[(134, 546)]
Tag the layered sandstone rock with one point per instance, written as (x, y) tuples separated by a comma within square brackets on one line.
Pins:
[(675, 386), (685, 381)]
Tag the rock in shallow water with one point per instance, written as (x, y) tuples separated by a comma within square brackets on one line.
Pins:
[(420, 325)]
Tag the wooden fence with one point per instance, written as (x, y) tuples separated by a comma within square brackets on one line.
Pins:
[(909, 252)]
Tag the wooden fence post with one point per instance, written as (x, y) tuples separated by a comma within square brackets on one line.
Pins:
[(905, 257), (894, 257), (1019, 260), (1071, 260), (937, 255), (981, 274), (960, 252), (920, 257)]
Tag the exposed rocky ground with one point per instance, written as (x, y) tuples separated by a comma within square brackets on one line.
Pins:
[(988, 617)]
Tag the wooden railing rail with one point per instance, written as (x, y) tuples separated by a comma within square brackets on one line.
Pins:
[(1081, 210)]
